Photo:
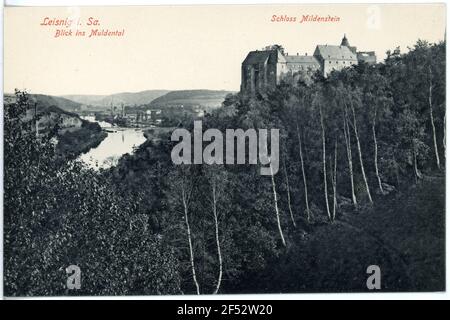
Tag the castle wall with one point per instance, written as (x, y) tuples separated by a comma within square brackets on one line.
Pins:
[(261, 76), (331, 64), (367, 57), (281, 69)]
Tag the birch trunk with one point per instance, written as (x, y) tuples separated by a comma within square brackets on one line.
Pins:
[(397, 174), (443, 139), (188, 229), (334, 170), (358, 144), (376, 156), (333, 164), (417, 174), (219, 253), (275, 199), (303, 174), (288, 193), (415, 166), (430, 97), (325, 185), (348, 146)]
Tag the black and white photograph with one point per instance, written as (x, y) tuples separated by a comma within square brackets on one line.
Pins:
[(202, 150)]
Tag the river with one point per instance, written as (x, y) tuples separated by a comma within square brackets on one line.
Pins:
[(118, 142)]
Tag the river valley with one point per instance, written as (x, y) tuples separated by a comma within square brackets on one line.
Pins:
[(119, 141)]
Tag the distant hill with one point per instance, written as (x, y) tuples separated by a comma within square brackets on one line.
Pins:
[(61, 103), (204, 98), (127, 98), (45, 102)]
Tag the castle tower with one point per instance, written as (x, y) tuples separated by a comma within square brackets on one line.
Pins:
[(262, 70), (345, 42)]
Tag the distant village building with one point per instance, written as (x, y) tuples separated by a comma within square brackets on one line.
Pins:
[(198, 111), (262, 70), (153, 114)]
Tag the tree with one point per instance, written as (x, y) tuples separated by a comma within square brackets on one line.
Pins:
[(63, 213), (348, 147), (275, 203), (324, 159), (358, 144), (182, 187), (218, 182)]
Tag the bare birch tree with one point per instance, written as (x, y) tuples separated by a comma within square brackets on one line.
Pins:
[(186, 192), (288, 191), (375, 142), (443, 139), (324, 162), (181, 191), (358, 144), (348, 147), (333, 174), (275, 200), (305, 185), (216, 229), (433, 128), (417, 174)]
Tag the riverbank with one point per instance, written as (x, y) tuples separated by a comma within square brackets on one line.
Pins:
[(73, 143), (157, 133), (117, 143)]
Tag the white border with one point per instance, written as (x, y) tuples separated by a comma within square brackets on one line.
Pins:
[(44, 3), (300, 296)]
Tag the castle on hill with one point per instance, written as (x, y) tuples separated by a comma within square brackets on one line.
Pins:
[(263, 70)]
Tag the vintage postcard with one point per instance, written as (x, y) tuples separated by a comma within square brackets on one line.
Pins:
[(224, 149)]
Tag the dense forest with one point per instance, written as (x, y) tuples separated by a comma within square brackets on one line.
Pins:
[(363, 148)]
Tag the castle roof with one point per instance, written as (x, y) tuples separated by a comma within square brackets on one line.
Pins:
[(334, 52), (301, 59), (256, 57)]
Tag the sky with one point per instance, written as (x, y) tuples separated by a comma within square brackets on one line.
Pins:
[(188, 47)]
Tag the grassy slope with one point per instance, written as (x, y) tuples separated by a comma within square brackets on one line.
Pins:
[(404, 234)]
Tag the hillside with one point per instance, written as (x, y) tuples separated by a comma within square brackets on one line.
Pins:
[(46, 102), (61, 103), (205, 98), (127, 98), (75, 135)]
